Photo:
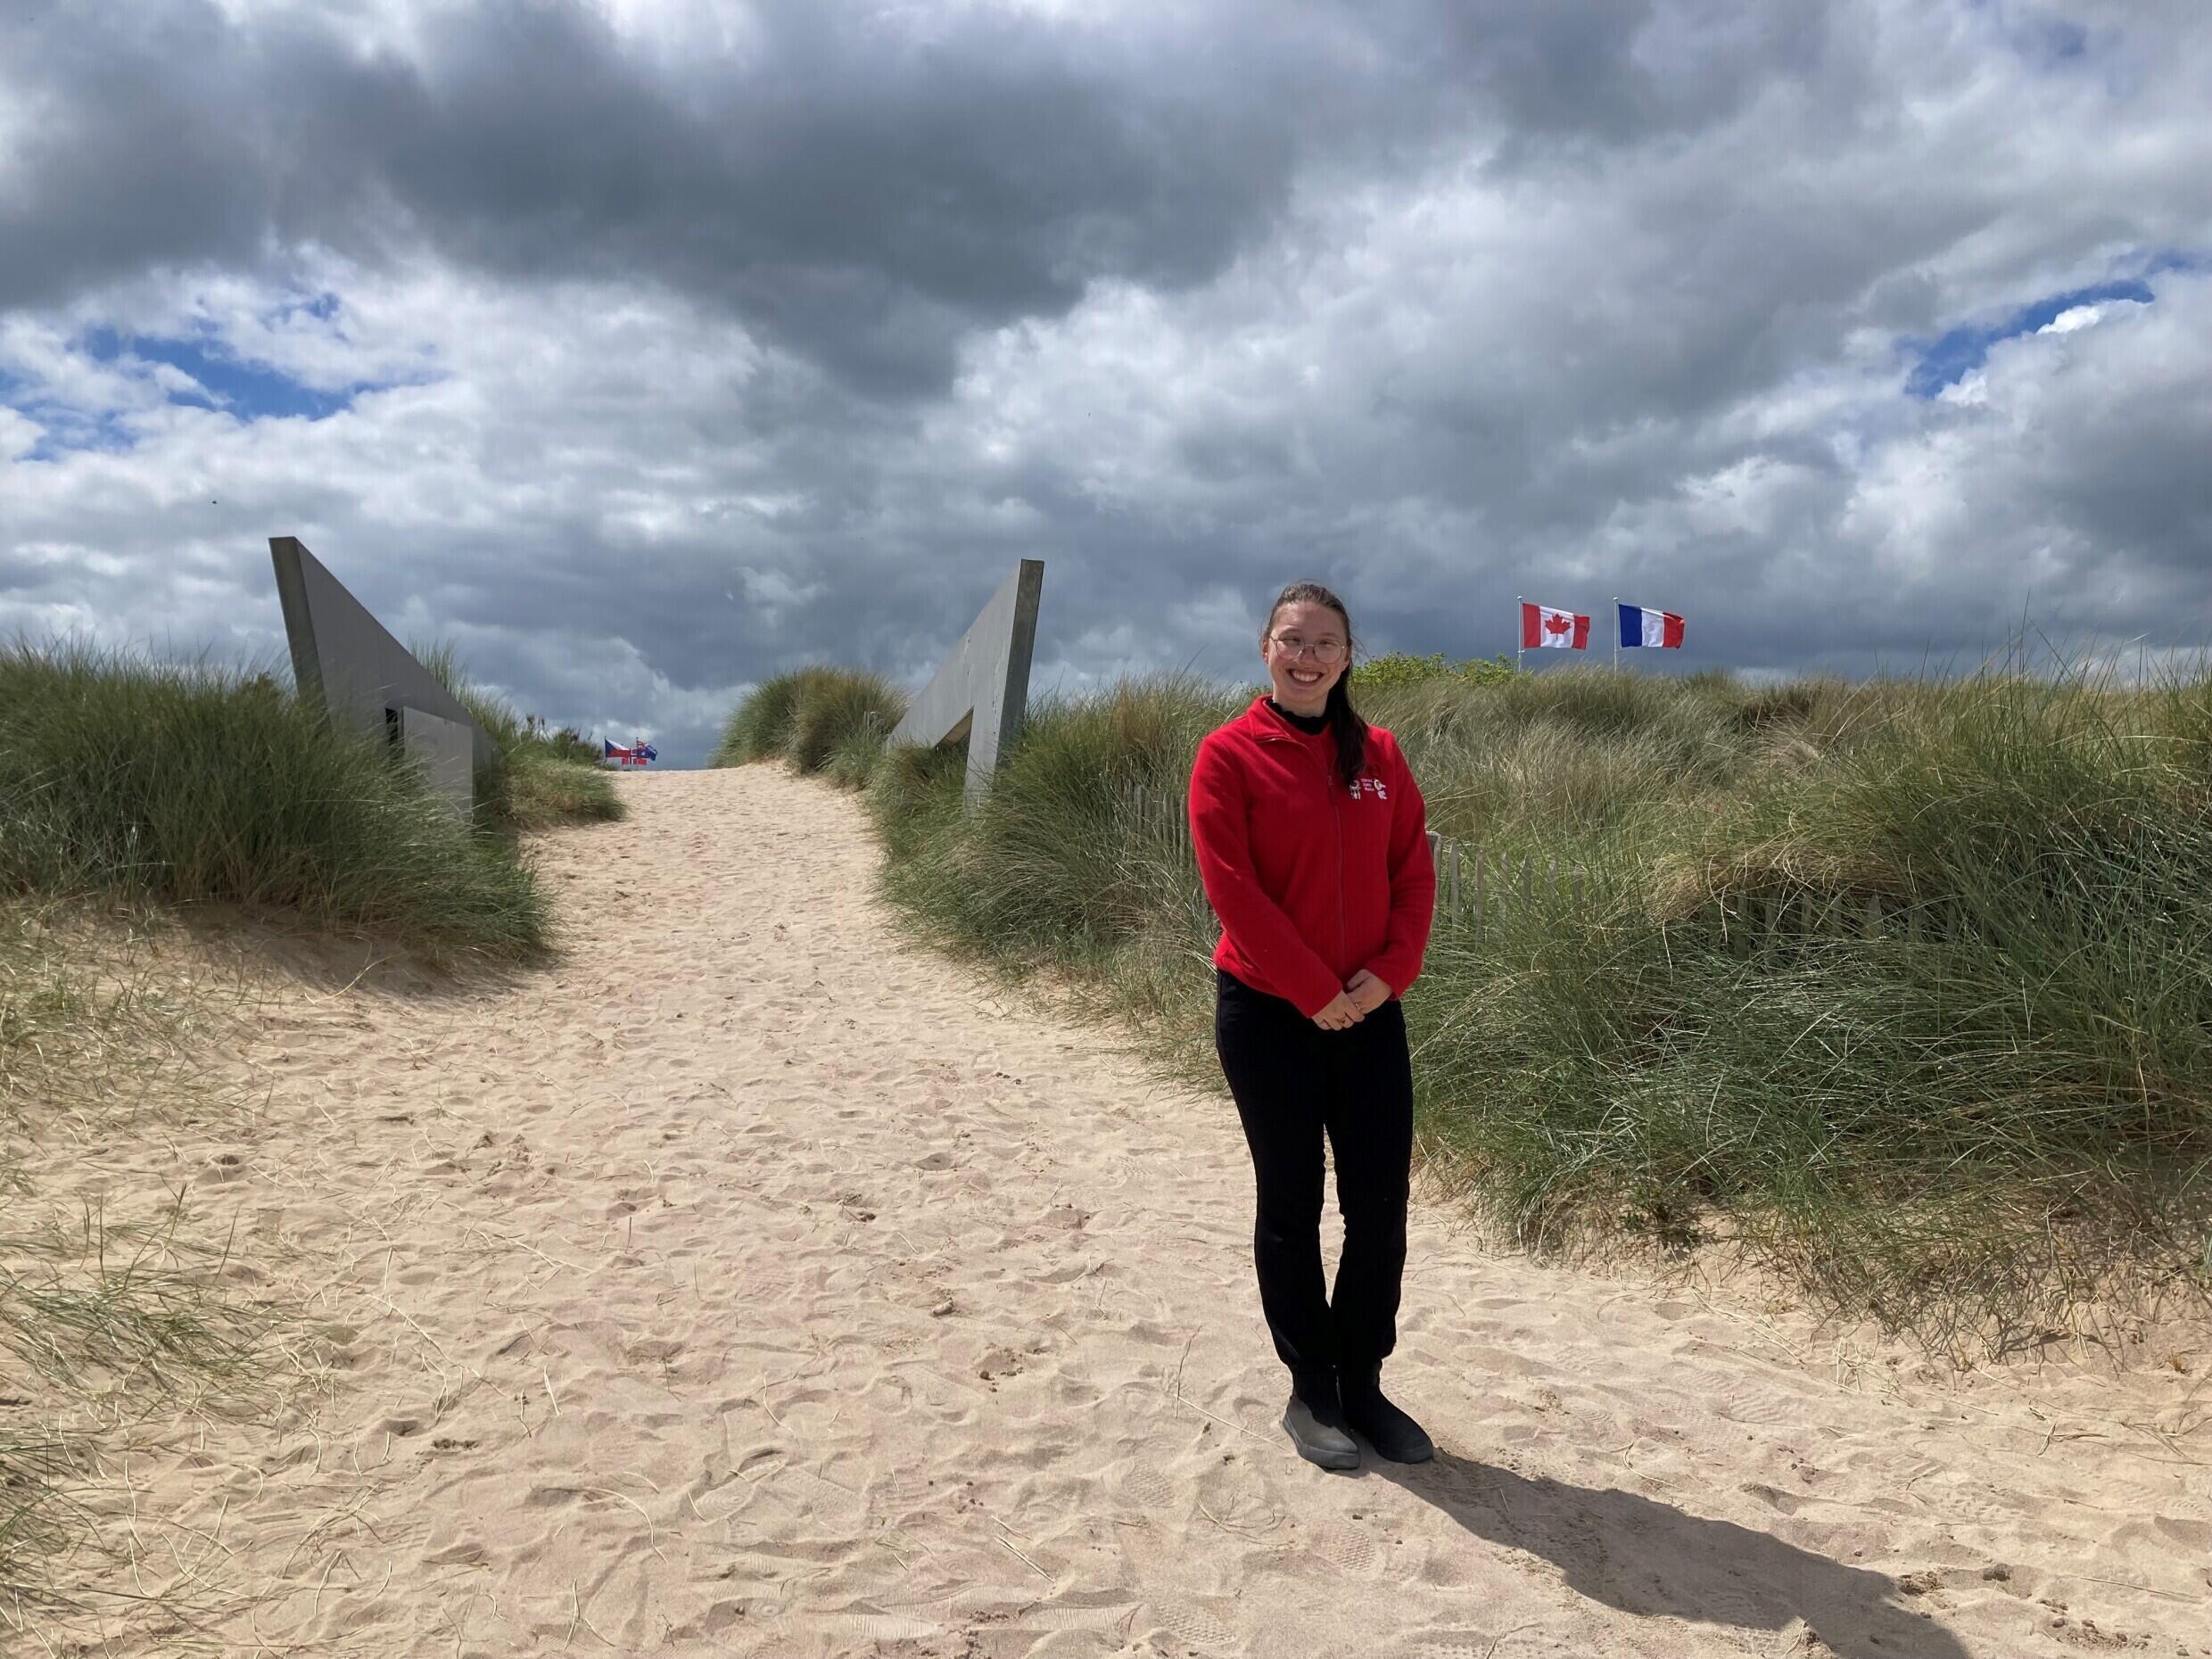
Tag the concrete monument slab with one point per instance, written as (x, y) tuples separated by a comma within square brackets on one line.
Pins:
[(445, 751), (343, 660), (982, 687)]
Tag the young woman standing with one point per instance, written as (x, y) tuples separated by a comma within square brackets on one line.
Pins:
[(1313, 845)]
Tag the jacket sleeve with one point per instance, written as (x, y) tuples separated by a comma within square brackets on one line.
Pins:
[(1262, 932), (1413, 881)]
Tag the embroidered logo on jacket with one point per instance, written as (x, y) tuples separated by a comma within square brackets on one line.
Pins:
[(1372, 786)]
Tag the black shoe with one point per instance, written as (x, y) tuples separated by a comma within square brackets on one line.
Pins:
[(1395, 1437), (1319, 1435)]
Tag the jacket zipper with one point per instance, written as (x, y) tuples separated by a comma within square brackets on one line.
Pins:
[(1336, 821), (1336, 811)]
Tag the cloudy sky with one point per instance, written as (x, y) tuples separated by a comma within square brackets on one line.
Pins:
[(643, 348)]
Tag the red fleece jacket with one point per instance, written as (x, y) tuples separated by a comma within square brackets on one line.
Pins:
[(1312, 880)]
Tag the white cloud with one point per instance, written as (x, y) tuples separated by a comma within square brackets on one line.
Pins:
[(2073, 317), (1970, 388), (18, 434), (2068, 484)]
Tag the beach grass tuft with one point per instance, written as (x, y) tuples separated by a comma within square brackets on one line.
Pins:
[(808, 716), (189, 784)]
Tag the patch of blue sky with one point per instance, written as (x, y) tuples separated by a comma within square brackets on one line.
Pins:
[(1950, 357), (208, 373), (223, 379)]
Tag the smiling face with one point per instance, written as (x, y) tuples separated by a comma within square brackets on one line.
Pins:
[(1307, 650)]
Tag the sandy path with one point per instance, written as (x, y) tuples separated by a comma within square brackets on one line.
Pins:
[(754, 1283)]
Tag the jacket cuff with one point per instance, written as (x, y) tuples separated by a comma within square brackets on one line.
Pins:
[(1308, 1003), (1394, 972)]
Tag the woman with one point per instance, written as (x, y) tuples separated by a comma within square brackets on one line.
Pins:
[(1312, 844)]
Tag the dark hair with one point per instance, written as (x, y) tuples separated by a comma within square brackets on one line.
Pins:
[(1351, 731)]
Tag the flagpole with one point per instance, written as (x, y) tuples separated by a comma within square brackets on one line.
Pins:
[(1518, 648), (1616, 633)]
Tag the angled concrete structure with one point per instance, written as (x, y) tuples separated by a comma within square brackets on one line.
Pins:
[(444, 751), (344, 662), (982, 687)]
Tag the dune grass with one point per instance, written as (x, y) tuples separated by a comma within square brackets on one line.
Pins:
[(812, 717), (1972, 1129), (187, 785)]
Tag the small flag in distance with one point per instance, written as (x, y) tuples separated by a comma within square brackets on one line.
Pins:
[(1542, 626), (1639, 626)]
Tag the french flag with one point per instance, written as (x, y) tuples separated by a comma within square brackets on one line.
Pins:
[(1540, 625), (1639, 626)]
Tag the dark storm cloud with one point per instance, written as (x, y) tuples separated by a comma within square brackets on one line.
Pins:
[(866, 191), (1615, 72), (863, 194)]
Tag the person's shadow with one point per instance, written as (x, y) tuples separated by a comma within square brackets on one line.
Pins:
[(1650, 1558)]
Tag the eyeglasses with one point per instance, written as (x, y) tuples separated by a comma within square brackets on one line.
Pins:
[(1321, 651)]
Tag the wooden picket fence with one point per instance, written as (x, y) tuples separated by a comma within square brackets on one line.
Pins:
[(1471, 885), (1476, 884)]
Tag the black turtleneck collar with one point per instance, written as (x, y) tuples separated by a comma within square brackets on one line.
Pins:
[(1312, 725)]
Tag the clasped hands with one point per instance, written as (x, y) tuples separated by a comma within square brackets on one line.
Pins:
[(1362, 994)]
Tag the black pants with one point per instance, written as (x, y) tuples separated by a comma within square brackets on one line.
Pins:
[(1294, 1082)]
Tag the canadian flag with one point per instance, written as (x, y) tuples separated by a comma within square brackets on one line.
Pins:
[(1542, 625)]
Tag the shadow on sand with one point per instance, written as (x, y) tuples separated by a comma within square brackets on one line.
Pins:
[(1650, 1558)]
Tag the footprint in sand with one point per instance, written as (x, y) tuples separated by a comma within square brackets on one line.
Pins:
[(1188, 1621)]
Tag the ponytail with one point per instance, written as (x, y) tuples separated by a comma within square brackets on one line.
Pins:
[(1349, 730)]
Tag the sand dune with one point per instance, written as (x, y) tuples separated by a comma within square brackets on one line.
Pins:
[(753, 1283)]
